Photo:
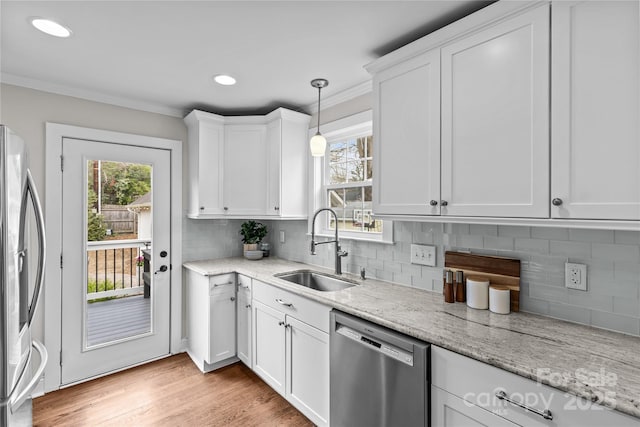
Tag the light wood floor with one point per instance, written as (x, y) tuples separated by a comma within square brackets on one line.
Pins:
[(169, 392)]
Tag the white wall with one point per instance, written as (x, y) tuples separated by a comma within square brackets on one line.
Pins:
[(26, 111)]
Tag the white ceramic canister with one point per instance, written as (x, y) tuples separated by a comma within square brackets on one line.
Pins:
[(499, 299), (477, 292)]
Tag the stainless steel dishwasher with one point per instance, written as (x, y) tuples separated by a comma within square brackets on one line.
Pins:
[(379, 377)]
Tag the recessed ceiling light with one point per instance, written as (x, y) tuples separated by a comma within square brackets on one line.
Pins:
[(225, 80), (50, 27)]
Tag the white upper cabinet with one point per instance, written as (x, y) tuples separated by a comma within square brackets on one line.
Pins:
[(407, 137), (206, 138), (245, 170), (595, 113), (248, 167), (495, 120), (287, 135)]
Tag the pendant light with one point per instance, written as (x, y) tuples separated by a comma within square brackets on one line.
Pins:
[(318, 143)]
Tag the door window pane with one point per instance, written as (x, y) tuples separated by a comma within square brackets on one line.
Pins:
[(118, 219)]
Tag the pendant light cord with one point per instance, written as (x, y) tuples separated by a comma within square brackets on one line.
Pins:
[(319, 89)]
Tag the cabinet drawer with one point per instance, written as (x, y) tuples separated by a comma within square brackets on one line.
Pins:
[(222, 283), (306, 310), (478, 383)]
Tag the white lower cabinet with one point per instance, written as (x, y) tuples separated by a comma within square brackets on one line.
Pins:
[(466, 392), (211, 320), (243, 320), (307, 370), (269, 345), (448, 410), (291, 348)]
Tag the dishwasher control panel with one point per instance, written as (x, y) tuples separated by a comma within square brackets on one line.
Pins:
[(377, 345)]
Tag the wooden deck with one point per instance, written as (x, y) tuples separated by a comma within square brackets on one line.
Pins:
[(118, 318)]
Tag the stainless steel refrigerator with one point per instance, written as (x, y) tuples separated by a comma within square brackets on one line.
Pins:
[(19, 292)]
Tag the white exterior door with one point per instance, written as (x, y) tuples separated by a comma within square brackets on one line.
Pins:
[(406, 129), (595, 110), (495, 120), (109, 321)]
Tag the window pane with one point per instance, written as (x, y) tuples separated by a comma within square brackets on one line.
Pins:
[(337, 173), (355, 171), (353, 153), (337, 203), (351, 162)]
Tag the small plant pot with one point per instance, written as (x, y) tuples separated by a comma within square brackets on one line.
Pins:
[(250, 247)]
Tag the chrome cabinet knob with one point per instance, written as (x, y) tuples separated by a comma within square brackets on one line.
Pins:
[(444, 202), (201, 208), (225, 208), (433, 203), (232, 298), (556, 202)]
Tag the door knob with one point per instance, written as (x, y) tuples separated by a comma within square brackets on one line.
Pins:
[(556, 202), (162, 269)]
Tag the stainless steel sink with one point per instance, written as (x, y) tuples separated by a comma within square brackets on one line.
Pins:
[(314, 280)]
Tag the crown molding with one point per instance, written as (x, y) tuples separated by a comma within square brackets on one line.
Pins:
[(90, 95), (340, 97)]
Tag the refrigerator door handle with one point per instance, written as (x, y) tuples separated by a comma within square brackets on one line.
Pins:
[(16, 401), (31, 188)]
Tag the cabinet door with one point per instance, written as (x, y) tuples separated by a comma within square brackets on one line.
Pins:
[(448, 410), (595, 114), (274, 138), (223, 326), (244, 325), (197, 315), (308, 370), (495, 120), (206, 185), (406, 128), (245, 170), (269, 345)]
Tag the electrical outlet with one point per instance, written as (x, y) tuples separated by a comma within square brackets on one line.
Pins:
[(423, 255), (575, 276), (281, 236)]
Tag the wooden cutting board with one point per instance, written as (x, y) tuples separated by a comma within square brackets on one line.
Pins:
[(497, 270)]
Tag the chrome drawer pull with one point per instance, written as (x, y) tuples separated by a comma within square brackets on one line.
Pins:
[(279, 301), (222, 284), (546, 414)]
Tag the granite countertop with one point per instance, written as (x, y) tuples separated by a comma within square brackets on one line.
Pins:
[(567, 356)]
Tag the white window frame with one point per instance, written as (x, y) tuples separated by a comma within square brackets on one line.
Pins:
[(357, 125)]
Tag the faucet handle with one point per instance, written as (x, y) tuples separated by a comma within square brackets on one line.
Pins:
[(313, 247)]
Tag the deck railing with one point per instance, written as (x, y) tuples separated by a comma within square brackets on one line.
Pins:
[(114, 268)]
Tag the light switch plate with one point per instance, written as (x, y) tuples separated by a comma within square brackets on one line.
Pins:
[(423, 255)]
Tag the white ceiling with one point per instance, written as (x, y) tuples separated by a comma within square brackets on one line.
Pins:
[(161, 55)]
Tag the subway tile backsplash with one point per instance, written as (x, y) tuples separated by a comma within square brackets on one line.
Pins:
[(612, 300)]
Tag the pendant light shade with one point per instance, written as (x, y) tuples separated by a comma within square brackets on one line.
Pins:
[(318, 143)]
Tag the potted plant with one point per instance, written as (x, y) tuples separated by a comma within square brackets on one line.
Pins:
[(252, 234)]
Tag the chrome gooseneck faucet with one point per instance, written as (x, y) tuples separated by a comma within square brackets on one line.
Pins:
[(339, 253)]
